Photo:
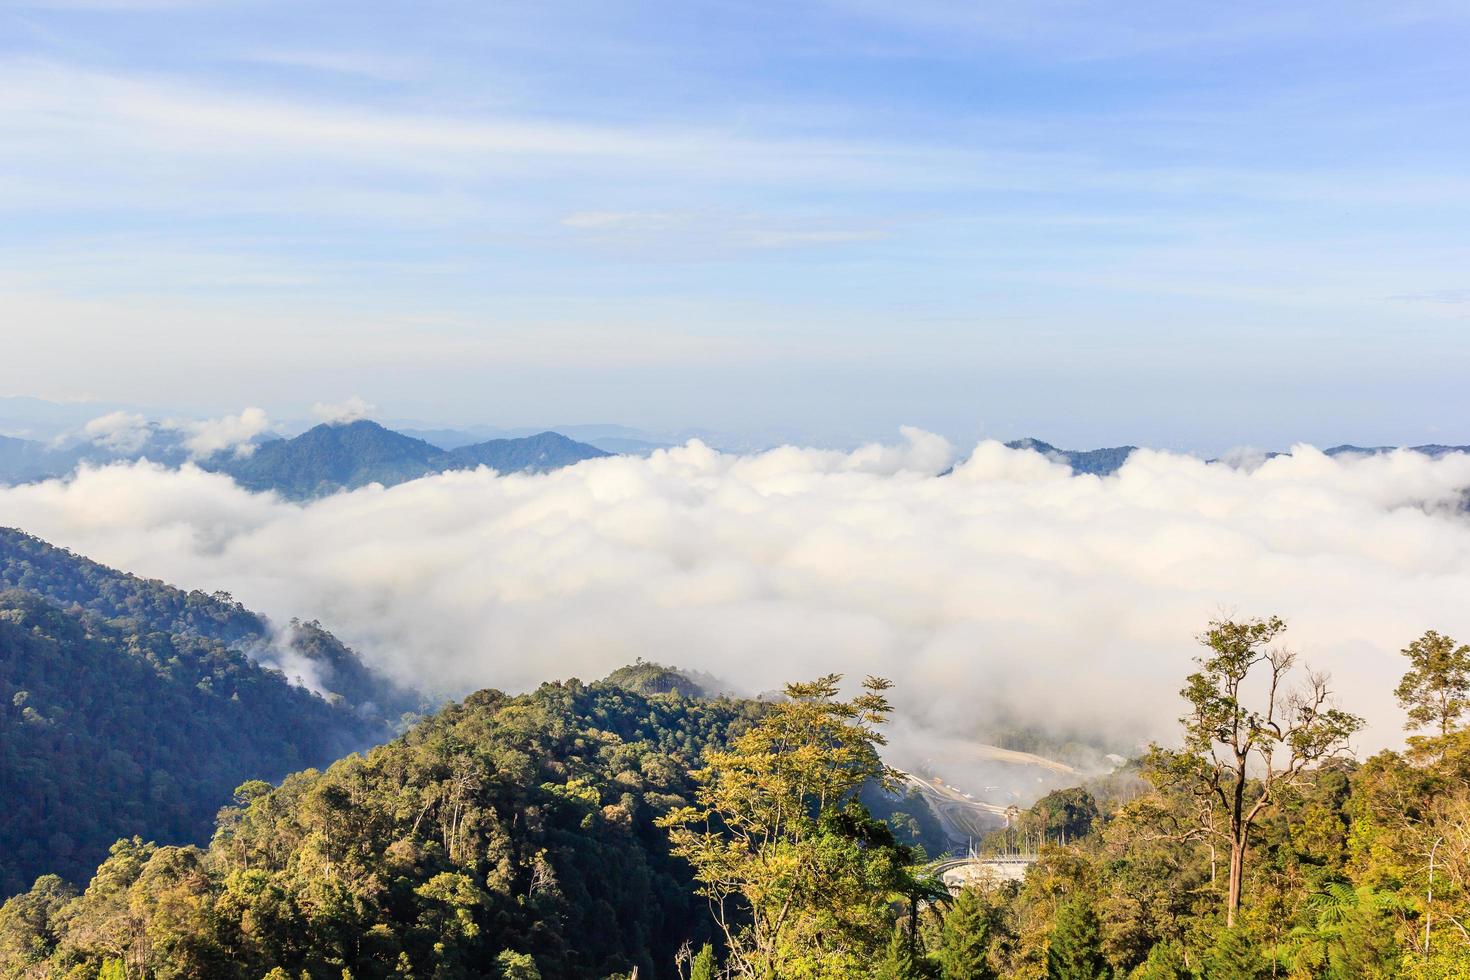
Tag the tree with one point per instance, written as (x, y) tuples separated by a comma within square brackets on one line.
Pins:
[(1436, 689), (27, 924), (1165, 962), (510, 965), (703, 965), (1234, 957), (1240, 761), (1075, 951), (796, 872), (963, 948), (898, 962)]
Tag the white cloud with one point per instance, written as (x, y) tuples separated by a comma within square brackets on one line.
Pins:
[(350, 410), (235, 433), (127, 433), (53, 108), (1006, 586), (121, 432)]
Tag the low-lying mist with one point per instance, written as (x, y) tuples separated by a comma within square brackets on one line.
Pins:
[(1005, 592)]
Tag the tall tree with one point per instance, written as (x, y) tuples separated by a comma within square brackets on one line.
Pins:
[(1240, 761), (796, 872), (1436, 689), (898, 962), (703, 965), (963, 949), (1075, 952)]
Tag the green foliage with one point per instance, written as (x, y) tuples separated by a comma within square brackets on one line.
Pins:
[(1436, 689), (27, 937), (510, 965), (702, 967), (1235, 956), (647, 677), (1075, 951), (798, 871), (1061, 815), (1240, 761), (1165, 962), (128, 706), (521, 824), (963, 949), (524, 833), (898, 961)]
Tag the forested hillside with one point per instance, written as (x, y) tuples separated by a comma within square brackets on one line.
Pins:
[(150, 606), (591, 831), (503, 830), (130, 707)]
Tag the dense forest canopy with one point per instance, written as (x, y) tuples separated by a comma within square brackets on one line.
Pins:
[(502, 827), (130, 707), (133, 604), (591, 831)]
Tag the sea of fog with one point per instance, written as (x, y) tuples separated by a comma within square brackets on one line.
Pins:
[(1003, 589)]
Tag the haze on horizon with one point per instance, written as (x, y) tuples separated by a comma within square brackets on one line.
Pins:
[(1185, 226)]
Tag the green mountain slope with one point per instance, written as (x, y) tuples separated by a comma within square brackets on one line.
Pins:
[(503, 825), (150, 606), (130, 707), (332, 457)]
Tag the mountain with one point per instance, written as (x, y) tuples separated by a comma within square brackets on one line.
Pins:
[(531, 454), (130, 707), (501, 831), (645, 677), (336, 456), (1099, 462), (150, 606), (1434, 451), (24, 460), (331, 457)]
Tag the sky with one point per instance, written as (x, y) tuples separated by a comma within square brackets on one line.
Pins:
[(1185, 225)]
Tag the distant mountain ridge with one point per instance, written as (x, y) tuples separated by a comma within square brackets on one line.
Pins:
[(337, 456), (1105, 462), (1099, 462), (323, 459), (345, 456)]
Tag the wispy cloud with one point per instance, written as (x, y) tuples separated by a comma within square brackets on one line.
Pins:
[(49, 106), (711, 228)]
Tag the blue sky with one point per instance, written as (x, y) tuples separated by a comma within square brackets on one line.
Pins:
[(1188, 225)]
